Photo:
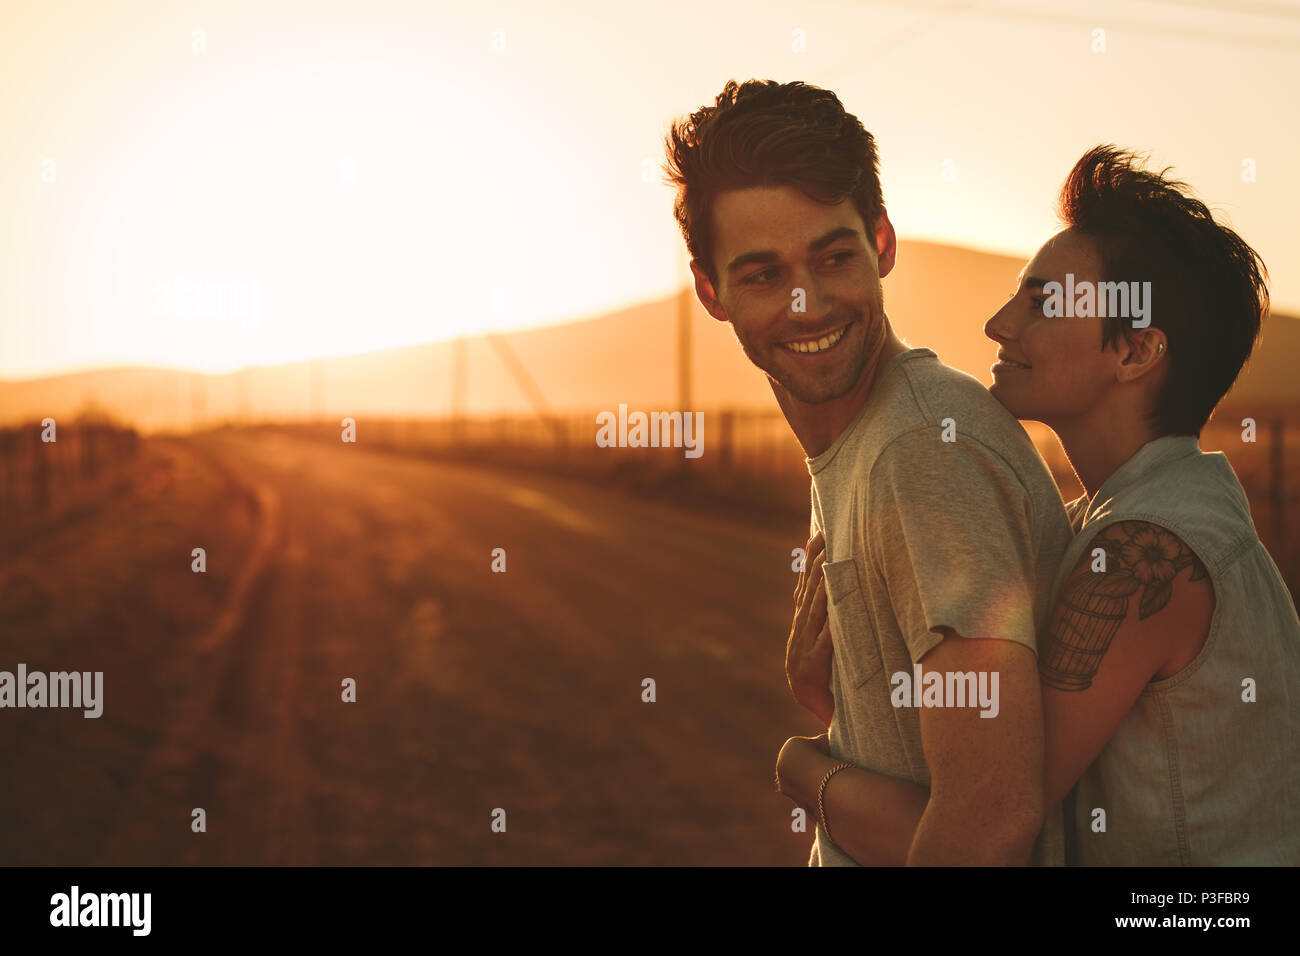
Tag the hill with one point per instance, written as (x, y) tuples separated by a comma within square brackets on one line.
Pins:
[(938, 296)]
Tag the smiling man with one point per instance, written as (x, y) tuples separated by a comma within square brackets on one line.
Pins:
[(942, 527)]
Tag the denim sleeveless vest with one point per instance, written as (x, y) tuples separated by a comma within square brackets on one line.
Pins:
[(1196, 775)]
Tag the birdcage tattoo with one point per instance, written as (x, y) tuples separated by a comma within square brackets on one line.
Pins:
[(1087, 625)]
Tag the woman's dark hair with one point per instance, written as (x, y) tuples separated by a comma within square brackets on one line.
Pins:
[(764, 133), (1209, 290)]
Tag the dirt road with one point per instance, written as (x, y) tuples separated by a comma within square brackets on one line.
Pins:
[(474, 690)]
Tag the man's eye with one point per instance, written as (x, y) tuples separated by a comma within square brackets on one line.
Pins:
[(847, 254), (1038, 301), (757, 277)]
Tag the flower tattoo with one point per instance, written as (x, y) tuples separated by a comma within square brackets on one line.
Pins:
[(1140, 557)]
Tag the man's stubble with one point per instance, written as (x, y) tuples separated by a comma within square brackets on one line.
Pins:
[(815, 392)]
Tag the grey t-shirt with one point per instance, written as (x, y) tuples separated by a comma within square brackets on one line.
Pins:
[(923, 533)]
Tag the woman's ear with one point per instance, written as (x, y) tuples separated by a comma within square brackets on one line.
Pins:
[(1140, 351)]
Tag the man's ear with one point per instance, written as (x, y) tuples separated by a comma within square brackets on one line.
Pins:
[(707, 295), (886, 245), (1140, 351)]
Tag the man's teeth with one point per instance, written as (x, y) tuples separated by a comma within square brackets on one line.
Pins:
[(825, 342)]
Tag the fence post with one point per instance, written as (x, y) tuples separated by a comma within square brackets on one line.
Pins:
[(90, 450), (7, 461), (726, 438), (41, 476)]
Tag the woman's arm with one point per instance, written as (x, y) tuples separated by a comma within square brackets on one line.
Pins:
[(1126, 615), (872, 817)]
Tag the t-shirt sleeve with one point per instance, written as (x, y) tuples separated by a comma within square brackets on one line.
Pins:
[(949, 525)]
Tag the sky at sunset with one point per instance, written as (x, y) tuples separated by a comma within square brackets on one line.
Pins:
[(214, 184)]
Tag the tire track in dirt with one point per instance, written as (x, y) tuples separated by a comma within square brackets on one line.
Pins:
[(291, 840), (169, 767), (261, 635)]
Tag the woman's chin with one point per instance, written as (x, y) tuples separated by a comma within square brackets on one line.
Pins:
[(1024, 411)]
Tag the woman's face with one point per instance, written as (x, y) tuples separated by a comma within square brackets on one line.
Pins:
[(1051, 369)]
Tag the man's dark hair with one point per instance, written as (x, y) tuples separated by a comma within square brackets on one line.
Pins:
[(764, 133), (1208, 287)]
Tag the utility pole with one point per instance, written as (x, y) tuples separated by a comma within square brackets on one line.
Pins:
[(684, 339), (245, 409), (317, 390), (198, 402), (459, 385)]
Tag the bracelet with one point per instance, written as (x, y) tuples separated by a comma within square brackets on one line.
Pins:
[(821, 794)]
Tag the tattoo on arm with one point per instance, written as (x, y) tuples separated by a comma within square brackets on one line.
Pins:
[(1140, 558)]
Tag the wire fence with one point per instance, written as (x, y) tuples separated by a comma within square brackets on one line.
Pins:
[(746, 458), (750, 455), (37, 477)]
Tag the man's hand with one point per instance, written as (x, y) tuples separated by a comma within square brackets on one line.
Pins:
[(808, 652)]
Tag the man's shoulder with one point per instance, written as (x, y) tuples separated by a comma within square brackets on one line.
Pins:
[(930, 406), (943, 393), (925, 391)]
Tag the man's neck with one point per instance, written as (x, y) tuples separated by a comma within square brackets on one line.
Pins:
[(1098, 443), (816, 426)]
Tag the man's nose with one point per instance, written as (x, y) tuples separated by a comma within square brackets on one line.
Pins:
[(809, 300)]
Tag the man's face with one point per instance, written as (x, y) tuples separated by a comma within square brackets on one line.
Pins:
[(1051, 369), (772, 241)]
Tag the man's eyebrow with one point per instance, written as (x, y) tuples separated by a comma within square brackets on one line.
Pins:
[(771, 255), (1036, 282)]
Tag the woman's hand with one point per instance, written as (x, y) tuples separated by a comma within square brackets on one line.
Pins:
[(799, 768), (808, 652)]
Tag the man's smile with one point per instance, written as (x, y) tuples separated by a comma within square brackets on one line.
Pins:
[(819, 343)]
